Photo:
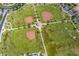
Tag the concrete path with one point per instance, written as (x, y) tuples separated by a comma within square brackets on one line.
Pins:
[(38, 25)]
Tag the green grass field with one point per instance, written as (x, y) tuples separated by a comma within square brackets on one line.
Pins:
[(58, 37), (19, 44), (16, 40), (17, 18), (61, 39), (54, 9)]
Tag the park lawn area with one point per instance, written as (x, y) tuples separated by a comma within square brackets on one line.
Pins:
[(54, 9), (59, 39), (77, 25), (18, 44), (17, 18), (0, 18), (70, 26), (0, 48)]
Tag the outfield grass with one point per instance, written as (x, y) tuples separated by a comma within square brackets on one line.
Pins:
[(17, 18), (19, 44), (54, 9)]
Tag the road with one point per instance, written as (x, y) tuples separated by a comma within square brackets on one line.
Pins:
[(3, 23)]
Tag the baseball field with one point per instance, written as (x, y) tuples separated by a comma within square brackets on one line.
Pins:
[(58, 34)]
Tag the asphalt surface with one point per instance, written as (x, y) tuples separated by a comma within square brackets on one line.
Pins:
[(3, 22)]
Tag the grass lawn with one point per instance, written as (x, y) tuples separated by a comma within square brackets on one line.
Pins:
[(17, 18), (16, 41), (54, 9), (60, 38), (19, 44)]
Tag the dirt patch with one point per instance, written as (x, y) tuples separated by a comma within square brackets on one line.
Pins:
[(31, 35), (28, 20), (47, 16)]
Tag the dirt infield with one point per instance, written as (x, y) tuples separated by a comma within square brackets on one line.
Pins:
[(46, 15), (28, 20), (31, 35)]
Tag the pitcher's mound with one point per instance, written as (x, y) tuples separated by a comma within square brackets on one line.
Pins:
[(30, 35), (46, 15), (28, 20)]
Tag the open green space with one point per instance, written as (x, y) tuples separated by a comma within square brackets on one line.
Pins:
[(17, 18), (18, 44), (54, 9), (61, 39)]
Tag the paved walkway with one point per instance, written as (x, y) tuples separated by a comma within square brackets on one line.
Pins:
[(11, 29), (38, 25)]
